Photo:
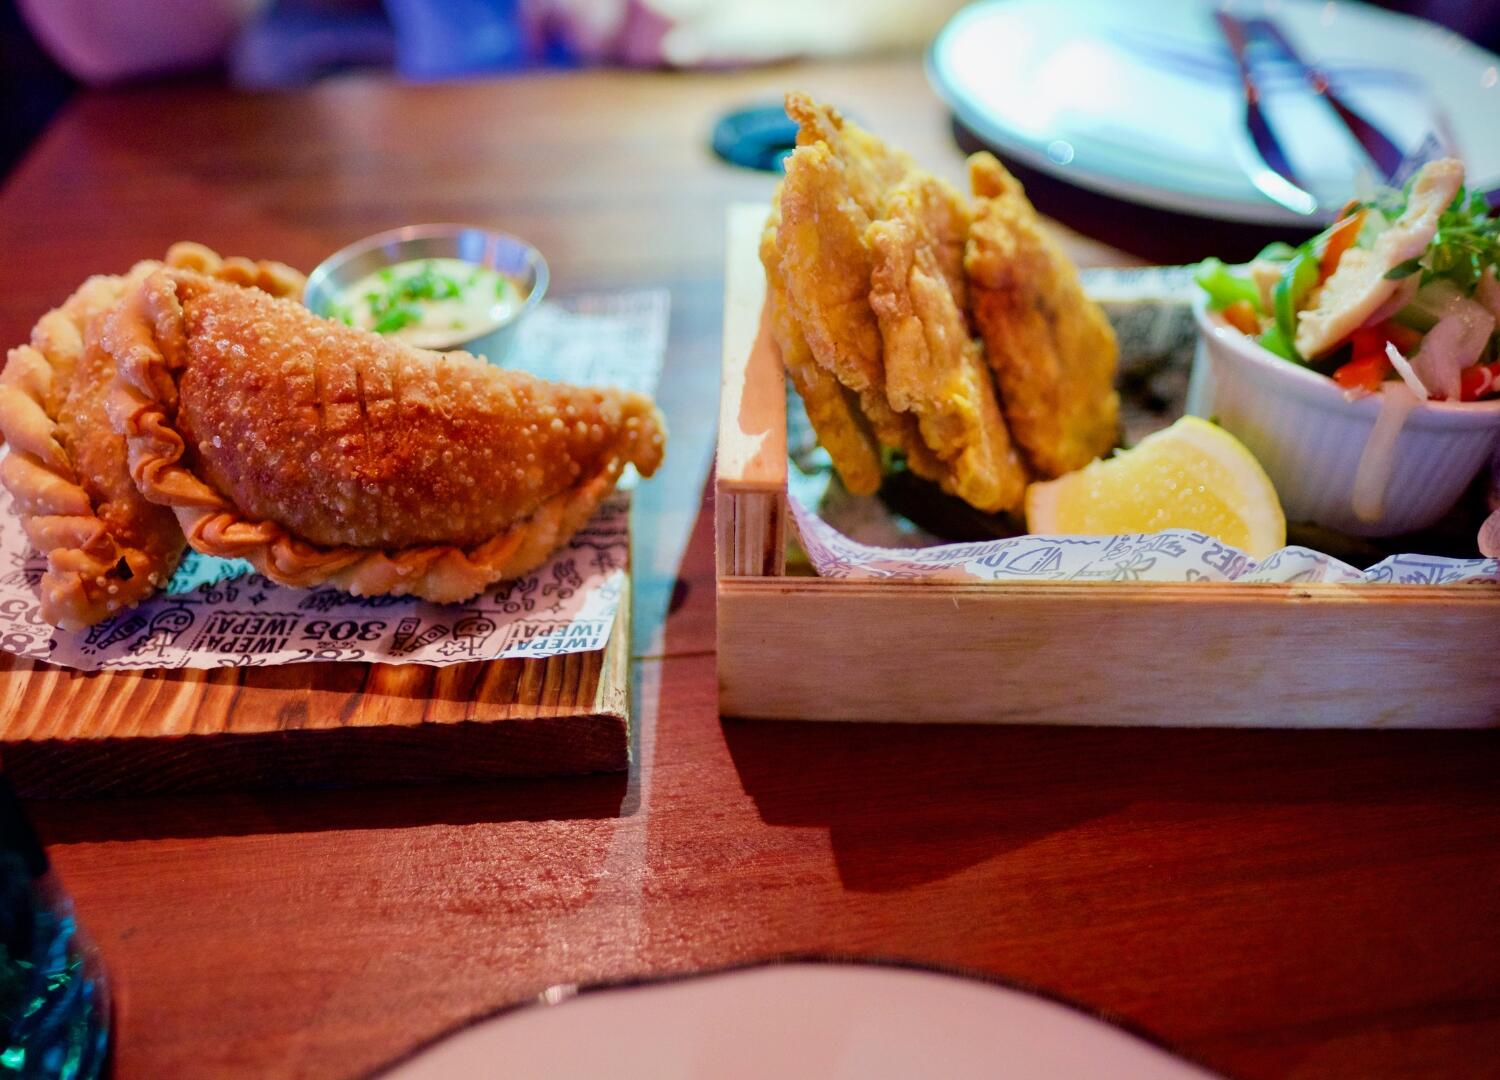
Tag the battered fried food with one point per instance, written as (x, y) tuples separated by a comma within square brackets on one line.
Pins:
[(326, 454), (825, 265), (874, 268), (1051, 348), (870, 168), (934, 370), (107, 548), (832, 409)]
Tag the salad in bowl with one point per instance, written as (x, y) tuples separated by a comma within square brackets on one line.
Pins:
[(1362, 367)]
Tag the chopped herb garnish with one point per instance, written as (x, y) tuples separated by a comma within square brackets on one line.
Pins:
[(427, 284), (1466, 244), (428, 294), (396, 318), (1404, 270), (391, 311)]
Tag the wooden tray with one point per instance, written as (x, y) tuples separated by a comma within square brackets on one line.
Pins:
[(795, 647), (69, 733)]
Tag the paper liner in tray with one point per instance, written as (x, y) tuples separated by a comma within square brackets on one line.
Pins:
[(1174, 555), (1149, 308), (218, 613)]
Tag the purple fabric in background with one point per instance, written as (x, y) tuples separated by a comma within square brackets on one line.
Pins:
[(293, 45), (459, 37), (293, 42)]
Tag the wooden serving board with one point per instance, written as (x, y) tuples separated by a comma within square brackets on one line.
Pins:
[(67, 733), (1149, 654)]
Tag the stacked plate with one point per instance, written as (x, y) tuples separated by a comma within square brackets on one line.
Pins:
[(1144, 101)]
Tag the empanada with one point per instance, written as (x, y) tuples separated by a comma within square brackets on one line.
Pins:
[(106, 546), (327, 454)]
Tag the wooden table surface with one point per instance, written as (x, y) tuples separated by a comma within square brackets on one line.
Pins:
[(1272, 904)]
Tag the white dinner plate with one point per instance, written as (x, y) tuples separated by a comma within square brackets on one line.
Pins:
[(1142, 100), (796, 1020)]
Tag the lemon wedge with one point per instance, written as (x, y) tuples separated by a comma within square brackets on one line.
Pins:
[(1194, 475)]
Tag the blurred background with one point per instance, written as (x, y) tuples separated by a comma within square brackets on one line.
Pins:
[(51, 48), (1088, 101)]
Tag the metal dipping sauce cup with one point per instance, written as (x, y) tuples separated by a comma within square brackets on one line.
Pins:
[(500, 251)]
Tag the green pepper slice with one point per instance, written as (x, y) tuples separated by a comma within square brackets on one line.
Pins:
[(1297, 280)]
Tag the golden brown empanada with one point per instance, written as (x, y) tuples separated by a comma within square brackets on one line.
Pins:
[(106, 546), (326, 454)]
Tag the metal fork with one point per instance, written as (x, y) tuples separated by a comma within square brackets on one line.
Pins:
[(1270, 172)]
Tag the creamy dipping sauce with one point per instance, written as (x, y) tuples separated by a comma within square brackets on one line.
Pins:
[(430, 303)]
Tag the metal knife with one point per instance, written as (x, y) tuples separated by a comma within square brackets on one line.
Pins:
[(1384, 153)]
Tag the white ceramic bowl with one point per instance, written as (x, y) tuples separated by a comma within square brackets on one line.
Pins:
[(1311, 438)]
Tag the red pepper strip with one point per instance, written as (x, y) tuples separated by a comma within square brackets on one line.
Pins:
[(1372, 339), (1368, 365), (1364, 373), (1341, 238), (1404, 338), (1478, 381)]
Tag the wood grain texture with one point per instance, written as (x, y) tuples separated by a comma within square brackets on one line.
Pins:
[(1274, 903), (751, 465), (752, 396), (68, 733), (1166, 655)]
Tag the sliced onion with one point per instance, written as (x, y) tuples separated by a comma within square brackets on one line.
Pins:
[(1456, 342), (1403, 368), (1487, 292), (1373, 474)]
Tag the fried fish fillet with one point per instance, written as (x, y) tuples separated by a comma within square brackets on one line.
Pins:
[(825, 265), (327, 454), (106, 546), (826, 268), (934, 370), (870, 167), (1051, 348), (832, 409)]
